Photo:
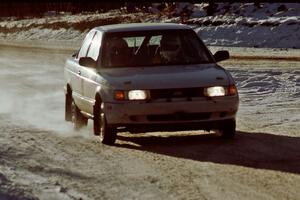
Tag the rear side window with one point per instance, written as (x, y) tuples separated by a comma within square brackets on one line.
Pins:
[(85, 45), (94, 49)]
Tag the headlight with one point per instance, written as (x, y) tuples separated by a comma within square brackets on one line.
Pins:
[(215, 91), (137, 95), (131, 95)]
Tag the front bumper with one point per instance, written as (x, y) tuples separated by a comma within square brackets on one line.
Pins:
[(180, 113)]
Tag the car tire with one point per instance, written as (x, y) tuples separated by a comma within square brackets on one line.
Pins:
[(107, 134), (68, 107), (228, 129), (78, 120)]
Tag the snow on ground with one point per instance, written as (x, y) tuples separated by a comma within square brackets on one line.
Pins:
[(274, 25), (269, 95), (269, 25)]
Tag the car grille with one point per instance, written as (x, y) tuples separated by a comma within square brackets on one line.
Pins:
[(179, 117), (176, 93)]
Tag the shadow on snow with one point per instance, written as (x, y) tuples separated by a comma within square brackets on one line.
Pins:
[(256, 150)]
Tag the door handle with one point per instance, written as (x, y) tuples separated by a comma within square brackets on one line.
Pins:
[(79, 72)]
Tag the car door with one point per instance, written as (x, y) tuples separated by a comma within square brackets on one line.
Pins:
[(90, 74), (78, 82)]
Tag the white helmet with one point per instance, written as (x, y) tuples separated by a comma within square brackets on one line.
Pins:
[(170, 46)]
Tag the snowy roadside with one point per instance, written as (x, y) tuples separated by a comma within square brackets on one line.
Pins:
[(235, 52), (267, 25)]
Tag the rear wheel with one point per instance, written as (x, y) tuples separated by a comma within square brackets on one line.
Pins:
[(78, 119), (107, 134), (228, 129), (68, 106)]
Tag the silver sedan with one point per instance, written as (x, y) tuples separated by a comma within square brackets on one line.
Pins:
[(148, 77)]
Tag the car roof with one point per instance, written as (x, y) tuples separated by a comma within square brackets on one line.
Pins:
[(141, 27)]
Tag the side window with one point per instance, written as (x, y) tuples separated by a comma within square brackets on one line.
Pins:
[(94, 49), (86, 43), (134, 41), (155, 40)]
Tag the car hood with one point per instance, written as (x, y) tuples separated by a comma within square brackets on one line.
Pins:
[(158, 77)]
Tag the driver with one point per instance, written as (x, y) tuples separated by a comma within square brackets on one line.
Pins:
[(170, 49)]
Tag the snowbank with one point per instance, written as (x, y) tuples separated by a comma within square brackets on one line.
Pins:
[(269, 25)]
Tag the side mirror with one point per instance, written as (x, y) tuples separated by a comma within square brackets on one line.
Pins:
[(74, 54), (221, 55), (87, 62)]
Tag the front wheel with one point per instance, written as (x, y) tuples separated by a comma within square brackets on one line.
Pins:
[(108, 135), (78, 120), (228, 129)]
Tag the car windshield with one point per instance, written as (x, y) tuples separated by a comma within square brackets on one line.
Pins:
[(153, 48)]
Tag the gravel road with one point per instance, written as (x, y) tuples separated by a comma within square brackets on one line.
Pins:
[(41, 157)]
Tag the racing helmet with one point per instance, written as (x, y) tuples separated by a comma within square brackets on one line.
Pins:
[(170, 46)]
